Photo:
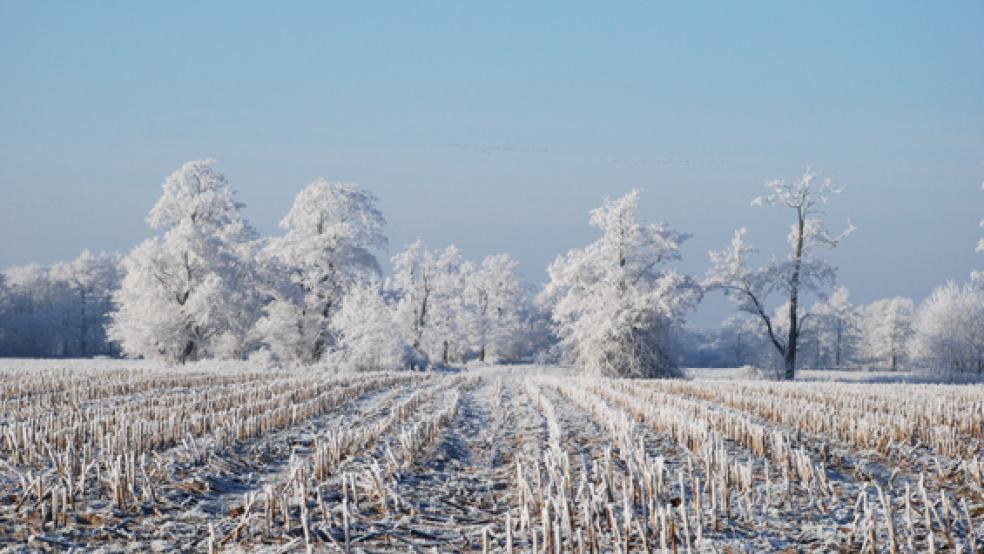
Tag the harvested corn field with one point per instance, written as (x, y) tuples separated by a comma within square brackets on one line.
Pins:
[(517, 459)]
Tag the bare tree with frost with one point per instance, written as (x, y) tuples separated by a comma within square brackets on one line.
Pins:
[(331, 231), (187, 294), (800, 272), (615, 302)]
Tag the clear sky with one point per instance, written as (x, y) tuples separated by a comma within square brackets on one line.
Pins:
[(497, 126)]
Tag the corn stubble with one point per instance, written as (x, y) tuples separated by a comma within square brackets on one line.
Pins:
[(493, 460)]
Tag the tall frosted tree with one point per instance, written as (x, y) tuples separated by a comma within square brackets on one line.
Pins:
[(186, 293), (433, 310), (801, 272), (495, 296), (886, 329), (413, 280), (837, 328), (445, 338), (331, 232), (949, 329), (616, 302)]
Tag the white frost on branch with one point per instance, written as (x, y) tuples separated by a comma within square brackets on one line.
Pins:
[(749, 289)]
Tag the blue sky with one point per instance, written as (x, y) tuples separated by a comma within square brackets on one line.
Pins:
[(497, 126)]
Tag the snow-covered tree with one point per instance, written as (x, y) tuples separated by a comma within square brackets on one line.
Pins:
[(91, 280), (799, 273), (364, 326), (949, 329), (58, 310), (432, 310), (186, 294), (446, 337), (331, 231), (835, 323), (413, 284), (30, 319), (615, 303), (886, 328), (495, 296)]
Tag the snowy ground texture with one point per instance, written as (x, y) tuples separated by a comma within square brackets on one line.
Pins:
[(127, 457)]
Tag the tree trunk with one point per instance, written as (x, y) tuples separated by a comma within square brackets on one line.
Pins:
[(790, 360), (186, 353), (790, 363), (84, 324)]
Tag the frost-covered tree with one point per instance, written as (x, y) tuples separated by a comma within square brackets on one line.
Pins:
[(30, 321), (446, 338), (90, 280), (58, 310), (615, 302), (835, 322), (364, 327), (886, 328), (801, 272), (949, 329), (432, 310), (495, 296), (413, 283), (331, 231), (187, 293)]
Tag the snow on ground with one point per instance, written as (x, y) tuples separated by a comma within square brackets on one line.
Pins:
[(841, 375), (134, 457)]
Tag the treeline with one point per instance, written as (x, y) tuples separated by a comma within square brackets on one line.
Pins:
[(208, 286), (945, 332), (61, 310)]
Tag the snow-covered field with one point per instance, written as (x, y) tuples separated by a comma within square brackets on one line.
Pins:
[(139, 457)]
